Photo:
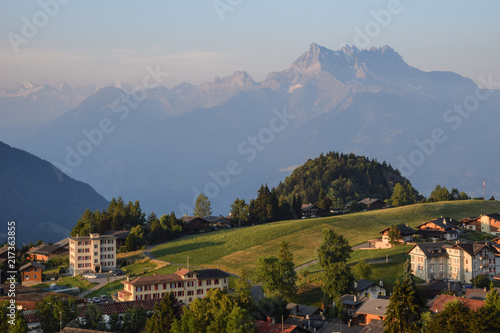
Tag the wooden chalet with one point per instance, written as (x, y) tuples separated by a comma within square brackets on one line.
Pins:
[(441, 228), (310, 210), (194, 224), (370, 203)]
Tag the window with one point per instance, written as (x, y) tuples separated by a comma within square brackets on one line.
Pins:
[(179, 285), (96, 246), (466, 269), (79, 250), (209, 282), (172, 285), (164, 286), (199, 292), (190, 275), (96, 261), (180, 293), (190, 293), (200, 283), (95, 253), (156, 287), (79, 243)]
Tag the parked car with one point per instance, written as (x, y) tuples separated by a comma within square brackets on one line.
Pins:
[(90, 300), (97, 300), (89, 276), (104, 298), (117, 272)]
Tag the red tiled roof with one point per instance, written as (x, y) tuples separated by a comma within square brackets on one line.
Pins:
[(438, 303), (183, 271), (268, 327)]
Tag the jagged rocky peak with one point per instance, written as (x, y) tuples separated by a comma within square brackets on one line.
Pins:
[(238, 79)]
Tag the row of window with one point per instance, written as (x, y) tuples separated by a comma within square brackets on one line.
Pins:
[(180, 293), (174, 285)]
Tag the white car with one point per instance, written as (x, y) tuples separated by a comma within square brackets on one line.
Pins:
[(89, 276)]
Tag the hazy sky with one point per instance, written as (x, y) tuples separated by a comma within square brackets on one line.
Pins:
[(103, 41)]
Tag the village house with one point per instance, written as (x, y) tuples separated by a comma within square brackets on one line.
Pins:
[(437, 304), (95, 253), (437, 229), (121, 236), (310, 210), (371, 309), (459, 262), (218, 221), (44, 252), (31, 272), (406, 235), (185, 284), (489, 223), (271, 326), (194, 224), (370, 203), (365, 288)]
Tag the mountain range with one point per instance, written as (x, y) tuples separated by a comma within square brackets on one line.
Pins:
[(227, 137)]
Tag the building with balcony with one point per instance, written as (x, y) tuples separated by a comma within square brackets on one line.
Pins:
[(95, 253), (461, 261)]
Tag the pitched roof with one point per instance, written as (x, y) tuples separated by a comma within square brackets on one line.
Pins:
[(374, 306), (154, 279), (494, 216), (46, 249), (183, 272), (206, 274), (438, 303), (301, 310), (269, 327), (370, 201), (447, 223), (101, 236), (187, 219), (375, 326), (353, 300), (404, 229), (431, 249), (364, 284), (31, 263), (119, 234), (308, 206)]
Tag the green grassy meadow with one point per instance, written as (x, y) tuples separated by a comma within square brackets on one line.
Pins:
[(70, 281), (238, 249)]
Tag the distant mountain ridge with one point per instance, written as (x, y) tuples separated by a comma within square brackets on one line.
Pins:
[(174, 143), (44, 202)]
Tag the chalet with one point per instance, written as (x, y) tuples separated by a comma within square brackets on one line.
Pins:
[(31, 272), (489, 223), (370, 203), (218, 221), (406, 233), (310, 210), (441, 228), (121, 236), (437, 304), (44, 252), (194, 224), (365, 288), (185, 284), (372, 309)]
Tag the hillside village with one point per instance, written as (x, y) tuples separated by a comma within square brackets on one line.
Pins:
[(450, 259)]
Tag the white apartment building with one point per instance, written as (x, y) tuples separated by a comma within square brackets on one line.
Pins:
[(459, 262), (95, 253)]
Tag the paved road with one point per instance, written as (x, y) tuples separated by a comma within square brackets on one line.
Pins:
[(101, 280)]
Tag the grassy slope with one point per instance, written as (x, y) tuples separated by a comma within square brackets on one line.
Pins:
[(238, 249)]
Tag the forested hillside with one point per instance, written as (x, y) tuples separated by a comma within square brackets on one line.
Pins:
[(340, 178)]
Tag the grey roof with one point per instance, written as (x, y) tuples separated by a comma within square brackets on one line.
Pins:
[(206, 274), (256, 292), (364, 284), (368, 201), (403, 229), (34, 264), (494, 216), (447, 223), (46, 249), (301, 310), (374, 306), (349, 299), (79, 238), (212, 218), (119, 234), (432, 249)]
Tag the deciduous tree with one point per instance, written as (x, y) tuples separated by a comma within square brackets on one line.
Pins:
[(202, 206), (333, 249)]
